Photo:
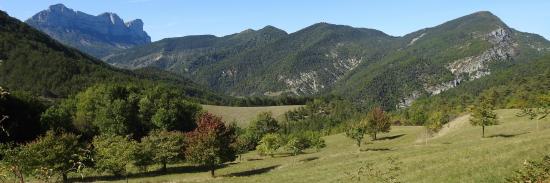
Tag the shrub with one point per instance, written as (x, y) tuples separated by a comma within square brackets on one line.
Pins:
[(269, 144)]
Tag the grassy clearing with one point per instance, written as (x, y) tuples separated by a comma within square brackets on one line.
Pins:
[(460, 155), (243, 115)]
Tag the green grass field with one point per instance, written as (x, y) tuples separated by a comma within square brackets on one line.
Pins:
[(243, 115), (458, 155)]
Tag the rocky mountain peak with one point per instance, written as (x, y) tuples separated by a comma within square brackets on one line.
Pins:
[(96, 35)]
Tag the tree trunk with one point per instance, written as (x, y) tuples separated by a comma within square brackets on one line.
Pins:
[(65, 177), (374, 136), (212, 168), (483, 131), (426, 136), (163, 167)]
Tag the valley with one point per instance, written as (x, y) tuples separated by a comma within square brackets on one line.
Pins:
[(460, 96)]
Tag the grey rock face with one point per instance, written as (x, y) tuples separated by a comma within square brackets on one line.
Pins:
[(98, 36)]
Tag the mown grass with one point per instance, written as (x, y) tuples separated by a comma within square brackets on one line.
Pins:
[(243, 115), (461, 155)]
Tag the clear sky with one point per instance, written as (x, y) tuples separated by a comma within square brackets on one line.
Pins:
[(174, 18)]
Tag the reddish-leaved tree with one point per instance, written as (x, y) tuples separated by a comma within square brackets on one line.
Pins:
[(210, 144)]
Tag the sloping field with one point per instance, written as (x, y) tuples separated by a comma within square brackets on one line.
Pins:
[(458, 155)]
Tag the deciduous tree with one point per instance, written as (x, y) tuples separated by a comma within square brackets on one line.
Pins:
[(377, 122), (210, 143), (483, 115)]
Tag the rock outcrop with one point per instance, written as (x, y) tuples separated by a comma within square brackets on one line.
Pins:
[(98, 36)]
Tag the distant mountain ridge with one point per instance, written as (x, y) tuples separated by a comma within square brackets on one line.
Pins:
[(98, 36), (365, 65)]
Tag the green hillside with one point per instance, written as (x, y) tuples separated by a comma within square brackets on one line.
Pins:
[(367, 66), (457, 155), (33, 62)]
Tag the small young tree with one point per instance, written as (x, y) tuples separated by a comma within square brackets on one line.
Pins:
[(434, 123), (537, 113), (483, 115), (166, 147), (113, 153), (357, 133), (296, 144), (269, 144), (315, 140), (210, 143), (377, 122), (264, 124)]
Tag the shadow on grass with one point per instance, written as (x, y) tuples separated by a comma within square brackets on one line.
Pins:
[(254, 159), (391, 137), (309, 159), (506, 135), (376, 149), (252, 172), (169, 170)]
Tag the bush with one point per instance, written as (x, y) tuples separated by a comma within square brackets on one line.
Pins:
[(269, 144), (533, 171), (296, 144)]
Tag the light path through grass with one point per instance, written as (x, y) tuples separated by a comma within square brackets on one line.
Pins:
[(243, 115), (461, 155)]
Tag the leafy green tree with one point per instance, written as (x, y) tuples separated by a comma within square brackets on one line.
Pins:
[(269, 144), (57, 118), (166, 147), (483, 115), (356, 132), (377, 122), (263, 124), (15, 159), (58, 153), (113, 153), (435, 123), (210, 144)]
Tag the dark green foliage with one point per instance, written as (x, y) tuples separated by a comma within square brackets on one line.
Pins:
[(210, 144), (532, 171), (58, 118), (327, 115), (262, 125), (23, 117), (131, 110)]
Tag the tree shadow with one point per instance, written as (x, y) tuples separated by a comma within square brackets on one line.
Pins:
[(506, 135), (254, 159), (252, 172), (309, 159), (169, 170), (376, 149), (391, 137)]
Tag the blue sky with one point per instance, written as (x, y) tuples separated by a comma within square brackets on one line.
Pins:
[(174, 18)]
